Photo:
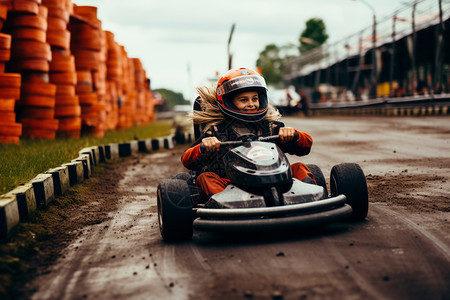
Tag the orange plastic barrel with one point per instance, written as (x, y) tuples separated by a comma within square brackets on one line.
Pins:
[(34, 34), (7, 105)]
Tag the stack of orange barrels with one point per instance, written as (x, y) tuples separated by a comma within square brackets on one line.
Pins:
[(113, 80), (62, 68), (60, 73), (128, 107), (150, 101), (139, 83), (10, 84), (99, 81), (86, 46), (30, 56)]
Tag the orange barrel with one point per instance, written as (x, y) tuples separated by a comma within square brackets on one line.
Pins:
[(33, 21), (82, 88), (60, 13), (39, 77), (38, 88), (69, 124), (25, 49), (86, 59), (5, 41), (63, 78), (84, 82), (68, 111), (5, 55), (43, 11), (80, 42), (34, 34), (93, 108), (10, 85), (25, 7), (59, 38), (40, 65), (10, 128), (55, 4), (37, 112), (90, 119), (65, 90), (87, 12), (67, 100), (7, 117), (10, 80), (37, 101), (49, 124), (88, 98), (85, 37), (56, 23), (84, 76), (62, 61), (7, 105), (3, 14), (85, 30)]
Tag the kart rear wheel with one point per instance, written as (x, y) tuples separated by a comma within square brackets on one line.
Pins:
[(349, 179), (318, 176), (174, 210)]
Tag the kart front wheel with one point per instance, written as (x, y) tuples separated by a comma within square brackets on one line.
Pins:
[(349, 179), (174, 210)]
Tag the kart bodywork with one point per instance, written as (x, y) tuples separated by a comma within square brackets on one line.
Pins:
[(262, 195)]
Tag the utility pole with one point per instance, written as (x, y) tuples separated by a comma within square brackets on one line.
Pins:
[(374, 73), (230, 56)]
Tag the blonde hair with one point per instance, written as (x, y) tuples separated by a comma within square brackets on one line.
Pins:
[(211, 115)]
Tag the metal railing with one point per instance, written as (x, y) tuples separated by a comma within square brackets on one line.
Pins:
[(406, 21)]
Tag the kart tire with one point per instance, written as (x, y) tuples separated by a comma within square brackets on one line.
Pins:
[(174, 210), (318, 176), (349, 179)]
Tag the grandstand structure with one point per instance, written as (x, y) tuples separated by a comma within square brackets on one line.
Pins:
[(404, 54)]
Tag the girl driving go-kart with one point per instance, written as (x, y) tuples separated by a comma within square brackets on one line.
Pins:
[(237, 107)]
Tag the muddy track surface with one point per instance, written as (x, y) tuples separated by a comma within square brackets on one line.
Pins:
[(110, 247)]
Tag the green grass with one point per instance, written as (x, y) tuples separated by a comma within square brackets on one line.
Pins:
[(21, 163)]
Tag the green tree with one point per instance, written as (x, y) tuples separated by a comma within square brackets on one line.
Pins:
[(172, 98), (313, 36), (271, 64)]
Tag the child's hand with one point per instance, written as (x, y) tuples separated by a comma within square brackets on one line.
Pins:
[(286, 134), (211, 144)]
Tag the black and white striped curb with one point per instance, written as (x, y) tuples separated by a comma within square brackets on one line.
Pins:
[(20, 204)]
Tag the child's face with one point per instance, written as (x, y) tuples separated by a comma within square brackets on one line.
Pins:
[(246, 101)]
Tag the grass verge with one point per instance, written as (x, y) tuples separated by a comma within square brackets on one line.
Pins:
[(21, 163)]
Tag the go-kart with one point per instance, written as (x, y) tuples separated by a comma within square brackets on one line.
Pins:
[(262, 194)]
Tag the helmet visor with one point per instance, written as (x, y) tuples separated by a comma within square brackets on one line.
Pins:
[(241, 82)]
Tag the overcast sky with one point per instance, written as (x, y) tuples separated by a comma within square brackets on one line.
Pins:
[(170, 35)]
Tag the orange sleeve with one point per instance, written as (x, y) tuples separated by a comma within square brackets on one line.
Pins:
[(299, 148), (190, 156), (304, 140)]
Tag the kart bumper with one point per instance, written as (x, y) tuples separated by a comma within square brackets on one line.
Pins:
[(250, 219)]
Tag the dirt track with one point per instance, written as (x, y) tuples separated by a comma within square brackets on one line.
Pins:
[(402, 251)]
